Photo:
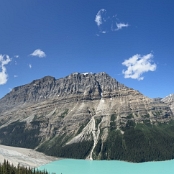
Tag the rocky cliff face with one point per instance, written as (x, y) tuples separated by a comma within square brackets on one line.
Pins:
[(79, 86), (74, 113), (170, 101)]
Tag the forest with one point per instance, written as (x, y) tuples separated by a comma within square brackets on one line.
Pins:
[(139, 143), (7, 168)]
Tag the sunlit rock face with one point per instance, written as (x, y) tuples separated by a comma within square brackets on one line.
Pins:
[(81, 108), (170, 101)]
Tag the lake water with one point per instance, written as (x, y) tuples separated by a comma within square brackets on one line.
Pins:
[(73, 166)]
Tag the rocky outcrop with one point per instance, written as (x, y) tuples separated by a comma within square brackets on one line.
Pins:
[(170, 101), (53, 114)]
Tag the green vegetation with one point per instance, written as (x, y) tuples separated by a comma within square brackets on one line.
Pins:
[(113, 117), (130, 116), (136, 114), (63, 114), (146, 116), (93, 111), (6, 168), (80, 129), (97, 122), (157, 113), (97, 150), (57, 147), (82, 126), (16, 134), (112, 122), (2, 121), (139, 143)]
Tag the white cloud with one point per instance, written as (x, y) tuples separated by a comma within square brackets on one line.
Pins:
[(137, 65), (99, 17), (38, 53), (121, 25), (4, 60), (15, 76), (30, 66), (106, 23)]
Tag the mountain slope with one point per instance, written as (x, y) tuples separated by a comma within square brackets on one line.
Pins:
[(85, 116), (170, 101)]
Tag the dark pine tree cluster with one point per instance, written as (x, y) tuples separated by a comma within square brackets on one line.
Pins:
[(139, 143), (7, 168)]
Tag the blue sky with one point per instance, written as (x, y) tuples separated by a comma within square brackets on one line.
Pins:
[(131, 40)]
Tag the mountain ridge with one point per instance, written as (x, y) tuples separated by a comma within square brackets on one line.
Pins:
[(80, 112)]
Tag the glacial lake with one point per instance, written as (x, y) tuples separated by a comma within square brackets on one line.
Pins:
[(73, 166)]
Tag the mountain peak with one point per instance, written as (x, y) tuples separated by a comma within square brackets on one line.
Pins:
[(76, 85), (79, 115), (88, 73)]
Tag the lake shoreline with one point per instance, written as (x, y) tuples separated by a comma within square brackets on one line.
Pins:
[(24, 157)]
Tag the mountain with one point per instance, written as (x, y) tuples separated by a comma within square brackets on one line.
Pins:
[(87, 115), (170, 101)]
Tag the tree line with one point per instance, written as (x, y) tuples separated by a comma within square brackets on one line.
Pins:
[(139, 143), (7, 168)]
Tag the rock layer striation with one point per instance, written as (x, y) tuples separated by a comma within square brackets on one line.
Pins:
[(74, 113)]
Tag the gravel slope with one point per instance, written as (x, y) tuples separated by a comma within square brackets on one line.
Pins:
[(24, 157)]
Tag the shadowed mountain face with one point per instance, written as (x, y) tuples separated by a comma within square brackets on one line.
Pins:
[(85, 116)]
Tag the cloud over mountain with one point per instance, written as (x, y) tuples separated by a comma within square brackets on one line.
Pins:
[(137, 65)]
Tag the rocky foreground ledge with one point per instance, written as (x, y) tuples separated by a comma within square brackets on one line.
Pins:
[(24, 157)]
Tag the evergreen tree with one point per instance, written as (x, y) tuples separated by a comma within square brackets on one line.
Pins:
[(7, 168)]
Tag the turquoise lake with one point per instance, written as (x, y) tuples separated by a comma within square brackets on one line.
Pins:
[(73, 166)]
